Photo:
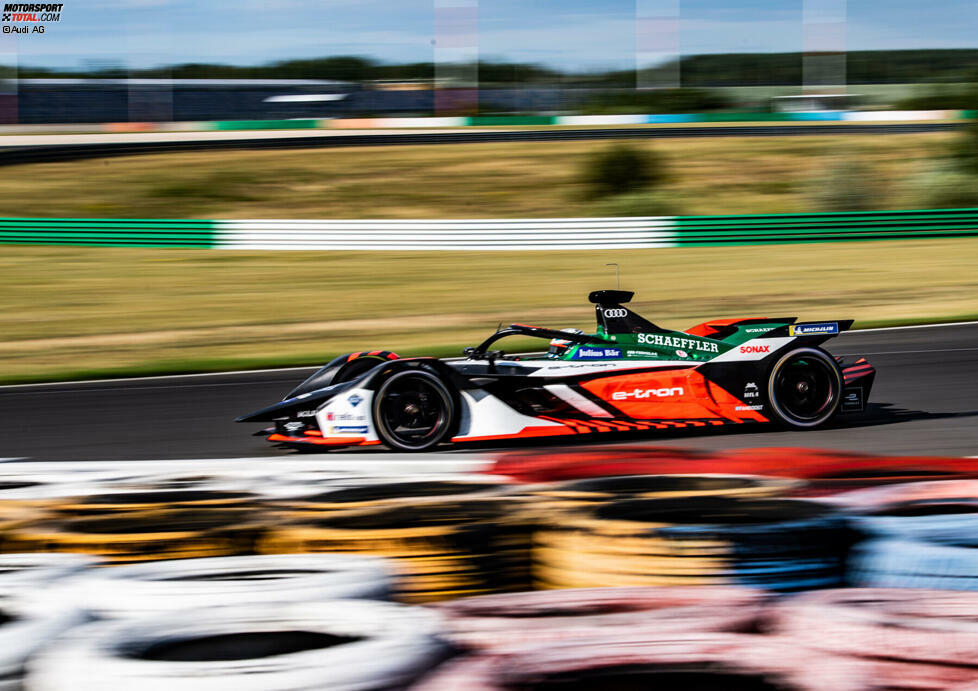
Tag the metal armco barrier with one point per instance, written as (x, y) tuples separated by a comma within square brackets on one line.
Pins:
[(493, 234)]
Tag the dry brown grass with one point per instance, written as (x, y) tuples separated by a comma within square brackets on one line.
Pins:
[(65, 310), (529, 179)]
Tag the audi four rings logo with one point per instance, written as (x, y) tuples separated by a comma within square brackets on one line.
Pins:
[(615, 313)]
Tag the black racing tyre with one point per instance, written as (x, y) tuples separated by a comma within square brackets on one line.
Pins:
[(413, 410), (804, 389)]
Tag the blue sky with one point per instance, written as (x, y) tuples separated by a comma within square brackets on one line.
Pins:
[(575, 34)]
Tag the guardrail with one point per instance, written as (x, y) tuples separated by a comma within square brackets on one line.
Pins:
[(387, 123), (494, 234)]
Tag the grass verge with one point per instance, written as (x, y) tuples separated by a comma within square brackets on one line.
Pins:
[(69, 312), (496, 180)]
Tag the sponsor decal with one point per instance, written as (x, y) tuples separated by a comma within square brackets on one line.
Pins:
[(677, 342), (647, 393), (853, 399), (682, 353), (757, 331), (345, 417), (640, 353), (585, 353), (616, 313), (751, 390), (294, 426), (355, 400), (814, 329), (755, 349), (306, 413), (350, 429), (749, 407)]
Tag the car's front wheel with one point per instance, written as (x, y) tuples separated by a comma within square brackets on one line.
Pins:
[(413, 410), (804, 388)]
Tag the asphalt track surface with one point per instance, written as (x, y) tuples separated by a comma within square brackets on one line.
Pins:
[(97, 146), (924, 402)]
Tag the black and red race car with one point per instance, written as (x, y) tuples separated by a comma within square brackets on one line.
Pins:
[(629, 375)]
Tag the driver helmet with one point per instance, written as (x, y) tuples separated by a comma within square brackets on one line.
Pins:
[(558, 346)]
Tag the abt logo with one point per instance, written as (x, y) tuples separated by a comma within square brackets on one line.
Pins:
[(647, 393), (754, 349)]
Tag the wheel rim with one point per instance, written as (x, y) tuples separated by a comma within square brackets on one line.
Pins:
[(805, 388), (413, 410)]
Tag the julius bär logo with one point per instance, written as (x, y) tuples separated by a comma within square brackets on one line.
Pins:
[(32, 13)]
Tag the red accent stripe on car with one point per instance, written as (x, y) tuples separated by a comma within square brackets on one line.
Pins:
[(333, 441)]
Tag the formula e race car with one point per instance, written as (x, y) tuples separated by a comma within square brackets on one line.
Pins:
[(629, 375)]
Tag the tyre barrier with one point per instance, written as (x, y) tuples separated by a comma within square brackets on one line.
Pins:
[(908, 638), (952, 523), (868, 499), (776, 544), (825, 471), (919, 535), (908, 564), (514, 620), (23, 634), (683, 661), (337, 644), (160, 587), (121, 501), (441, 549), (134, 537), (577, 493), (369, 495), (23, 574)]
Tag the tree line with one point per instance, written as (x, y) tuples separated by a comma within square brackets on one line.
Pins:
[(729, 69)]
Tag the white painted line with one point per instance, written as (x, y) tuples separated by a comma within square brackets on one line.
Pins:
[(117, 380), (914, 326)]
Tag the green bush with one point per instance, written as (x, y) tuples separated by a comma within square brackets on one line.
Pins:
[(658, 203), (620, 169), (846, 185), (942, 188), (940, 99), (684, 100)]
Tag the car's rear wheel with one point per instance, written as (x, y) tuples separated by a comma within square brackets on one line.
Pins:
[(413, 410), (804, 388)]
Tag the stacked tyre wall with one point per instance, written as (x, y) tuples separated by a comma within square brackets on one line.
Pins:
[(787, 568)]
